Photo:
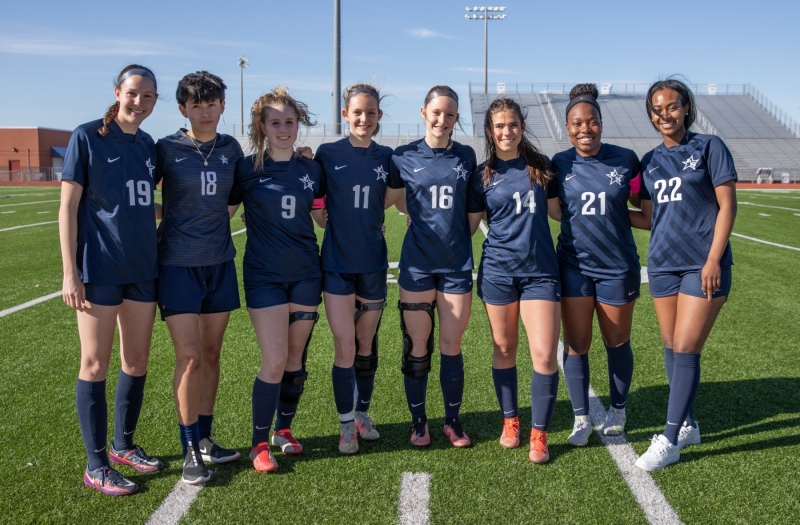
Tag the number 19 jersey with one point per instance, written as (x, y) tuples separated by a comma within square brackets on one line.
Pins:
[(195, 227), (438, 199), (680, 182), (355, 191)]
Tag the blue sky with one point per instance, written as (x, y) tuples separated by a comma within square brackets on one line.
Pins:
[(59, 58)]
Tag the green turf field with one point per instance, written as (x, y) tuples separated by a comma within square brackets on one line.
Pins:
[(748, 407)]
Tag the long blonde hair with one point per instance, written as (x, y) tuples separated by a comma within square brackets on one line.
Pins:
[(258, 115)]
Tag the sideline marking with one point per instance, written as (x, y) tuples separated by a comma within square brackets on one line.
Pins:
[(27, 203), (769, 206), (655, 506), (4, 212), (764, 242), (415, 494), (9, 311), (175, 505), (27, 226)]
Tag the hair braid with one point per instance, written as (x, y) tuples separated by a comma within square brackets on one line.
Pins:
[(113, 110)]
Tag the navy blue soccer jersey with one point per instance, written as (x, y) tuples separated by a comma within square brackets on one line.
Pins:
[(195, 227), (438, 199), (680, 182), (116, 216), (596, 236), (355, 191), (281, 243), (519, 243)]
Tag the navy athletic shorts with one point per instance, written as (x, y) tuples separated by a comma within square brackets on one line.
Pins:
[(113, 294), (371, 285), (453, 282), (499, 289), (198, 289), (264, 295), (616, 292), (664, 284)]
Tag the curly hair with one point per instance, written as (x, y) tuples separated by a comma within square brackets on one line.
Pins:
[(258, 115), (113, 109)]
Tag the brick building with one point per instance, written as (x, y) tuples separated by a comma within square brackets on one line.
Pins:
[(32, 153)]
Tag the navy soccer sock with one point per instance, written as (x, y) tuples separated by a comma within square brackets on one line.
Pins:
[(265, 400), (416, 392), (189, 434), (544, 388), (576, 373), (365, 385), (682, 391), (204, 424), (620, 373), (505, 386), (90, 399), (344, 384), (288, 409), (127, 407), (669, 364), (451, 377)]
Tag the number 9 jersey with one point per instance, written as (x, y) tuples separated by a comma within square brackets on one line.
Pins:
[(438, 199), (680, 181), (116, 216)]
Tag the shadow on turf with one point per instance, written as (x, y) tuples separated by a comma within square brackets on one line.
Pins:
[(724, 410)]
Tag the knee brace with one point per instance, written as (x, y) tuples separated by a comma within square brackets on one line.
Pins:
[(305, 316), (366, 365), (292, 386), (416, 366)]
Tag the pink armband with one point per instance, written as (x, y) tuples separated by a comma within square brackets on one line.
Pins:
[(636, 183)]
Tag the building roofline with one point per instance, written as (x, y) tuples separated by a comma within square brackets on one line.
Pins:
[(36, 127)]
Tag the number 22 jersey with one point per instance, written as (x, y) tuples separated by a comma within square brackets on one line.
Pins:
[(680, 182)]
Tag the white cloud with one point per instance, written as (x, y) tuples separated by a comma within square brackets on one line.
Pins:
[(73, 45), (426, 33)]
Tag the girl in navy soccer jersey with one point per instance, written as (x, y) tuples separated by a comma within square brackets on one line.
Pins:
[(518, 274), (197, 284), (436, 259), (597, 256), (689, 191), (354, 259), (108, 249), (282, 274)]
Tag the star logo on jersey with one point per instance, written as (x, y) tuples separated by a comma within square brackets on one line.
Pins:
[(150, 167), (461, 173), (223, 159), (691, 162), (381, 173), (307, 183), (615, 177)]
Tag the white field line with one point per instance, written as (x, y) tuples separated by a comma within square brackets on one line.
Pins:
[(655, 506), (9, 195), (28, 203), (175, 505), (415, 494), (765, 215), (41, 212), (27, 226), (13, 309), (237, 232), (762, 241), (769, 206), (4, 212)]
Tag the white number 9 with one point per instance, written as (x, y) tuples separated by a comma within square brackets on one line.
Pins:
[(288, 205)]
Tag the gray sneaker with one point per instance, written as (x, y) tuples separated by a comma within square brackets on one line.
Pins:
[(214, 453), (688, 435), (366, 428), (348, 439), (615, 422), (581, 431)]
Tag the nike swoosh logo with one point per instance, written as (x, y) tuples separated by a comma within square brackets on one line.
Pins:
[(652, 170), (418, 404), (454, 404), (633, 292), (671, 423), (287, 414), (265, 180), (99, 451), (203, 450), (418, 169), (262, 428), (340, 167), (129, 433), (110, 160), (571, 176), (508, 412), (365, 402), (498, 182), (178, 160)]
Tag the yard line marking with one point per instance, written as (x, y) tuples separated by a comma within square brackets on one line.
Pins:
[(175, 505), (239, 231), (12, 211), (27, 203), (769, 206), (394, 265), (415, 494), (797, 214), (27, 226), (41, 212), (765, 242), (484, 229), (645, 277), (655, 506), (13, 309), (762, 214)]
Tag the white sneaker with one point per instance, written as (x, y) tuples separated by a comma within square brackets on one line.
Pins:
[(581, 431), (615, 422), (688, 435), (661, 454)]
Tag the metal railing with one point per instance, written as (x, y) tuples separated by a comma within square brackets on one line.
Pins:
[(31, 175), (412, 131), (705, 125), (556, 125), (770, 107), (563, 88)]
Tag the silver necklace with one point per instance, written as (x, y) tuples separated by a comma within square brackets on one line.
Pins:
[(205, 159)]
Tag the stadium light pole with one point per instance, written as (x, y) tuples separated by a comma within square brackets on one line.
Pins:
[(485, 16), (337, 68), (242, 65)]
